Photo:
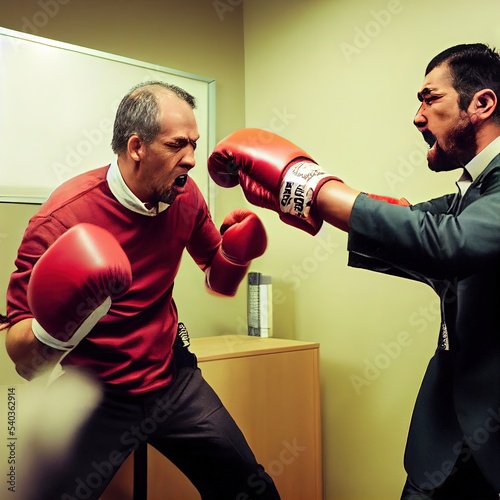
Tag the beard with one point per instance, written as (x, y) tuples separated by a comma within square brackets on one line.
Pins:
[(167, 196), (457, 148)]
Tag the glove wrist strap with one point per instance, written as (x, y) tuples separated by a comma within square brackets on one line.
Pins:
[(298, 188), (46, 338)]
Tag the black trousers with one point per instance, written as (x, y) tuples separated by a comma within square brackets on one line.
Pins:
[(186, 422), (466, 482)]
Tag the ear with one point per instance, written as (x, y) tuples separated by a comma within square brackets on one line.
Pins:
[(482, 105), (135, 147)]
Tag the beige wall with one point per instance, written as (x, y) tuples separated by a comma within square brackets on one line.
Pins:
[(340, 79)]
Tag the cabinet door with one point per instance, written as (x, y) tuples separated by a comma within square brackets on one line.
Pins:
[(274, 398)]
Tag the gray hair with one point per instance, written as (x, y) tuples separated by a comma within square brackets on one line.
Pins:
[(138, 112)]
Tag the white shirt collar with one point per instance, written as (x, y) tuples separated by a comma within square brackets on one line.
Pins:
[(125, 196), (478, 164)]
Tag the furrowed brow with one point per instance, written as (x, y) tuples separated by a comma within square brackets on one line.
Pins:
[(183, 141), (425, 92)]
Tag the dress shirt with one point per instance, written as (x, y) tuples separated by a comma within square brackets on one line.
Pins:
[(125, 196), (478, 164)]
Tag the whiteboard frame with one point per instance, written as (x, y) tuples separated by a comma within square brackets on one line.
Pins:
[(36, 199)]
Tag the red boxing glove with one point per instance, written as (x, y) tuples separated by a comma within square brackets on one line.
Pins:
[(73, 282), (243, 239), (273, 173)]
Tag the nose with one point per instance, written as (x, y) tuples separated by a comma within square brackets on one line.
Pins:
[(189, 160), (420, 120)]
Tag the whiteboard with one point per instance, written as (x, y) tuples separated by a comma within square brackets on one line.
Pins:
[(57, 108)]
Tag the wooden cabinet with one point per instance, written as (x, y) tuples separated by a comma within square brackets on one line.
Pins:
[(271, 388)]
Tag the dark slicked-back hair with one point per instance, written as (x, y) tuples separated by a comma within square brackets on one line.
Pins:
[(473, 67), (138, 112)]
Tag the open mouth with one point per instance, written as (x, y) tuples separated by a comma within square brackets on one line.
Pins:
[(429, 138), (181, 180)]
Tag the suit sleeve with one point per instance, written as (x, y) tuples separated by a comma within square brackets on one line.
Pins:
[(426, 240)]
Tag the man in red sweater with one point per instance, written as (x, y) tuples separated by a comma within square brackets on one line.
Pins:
[(93, 289)]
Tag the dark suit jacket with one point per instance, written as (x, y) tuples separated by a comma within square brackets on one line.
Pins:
[(452, 244)]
